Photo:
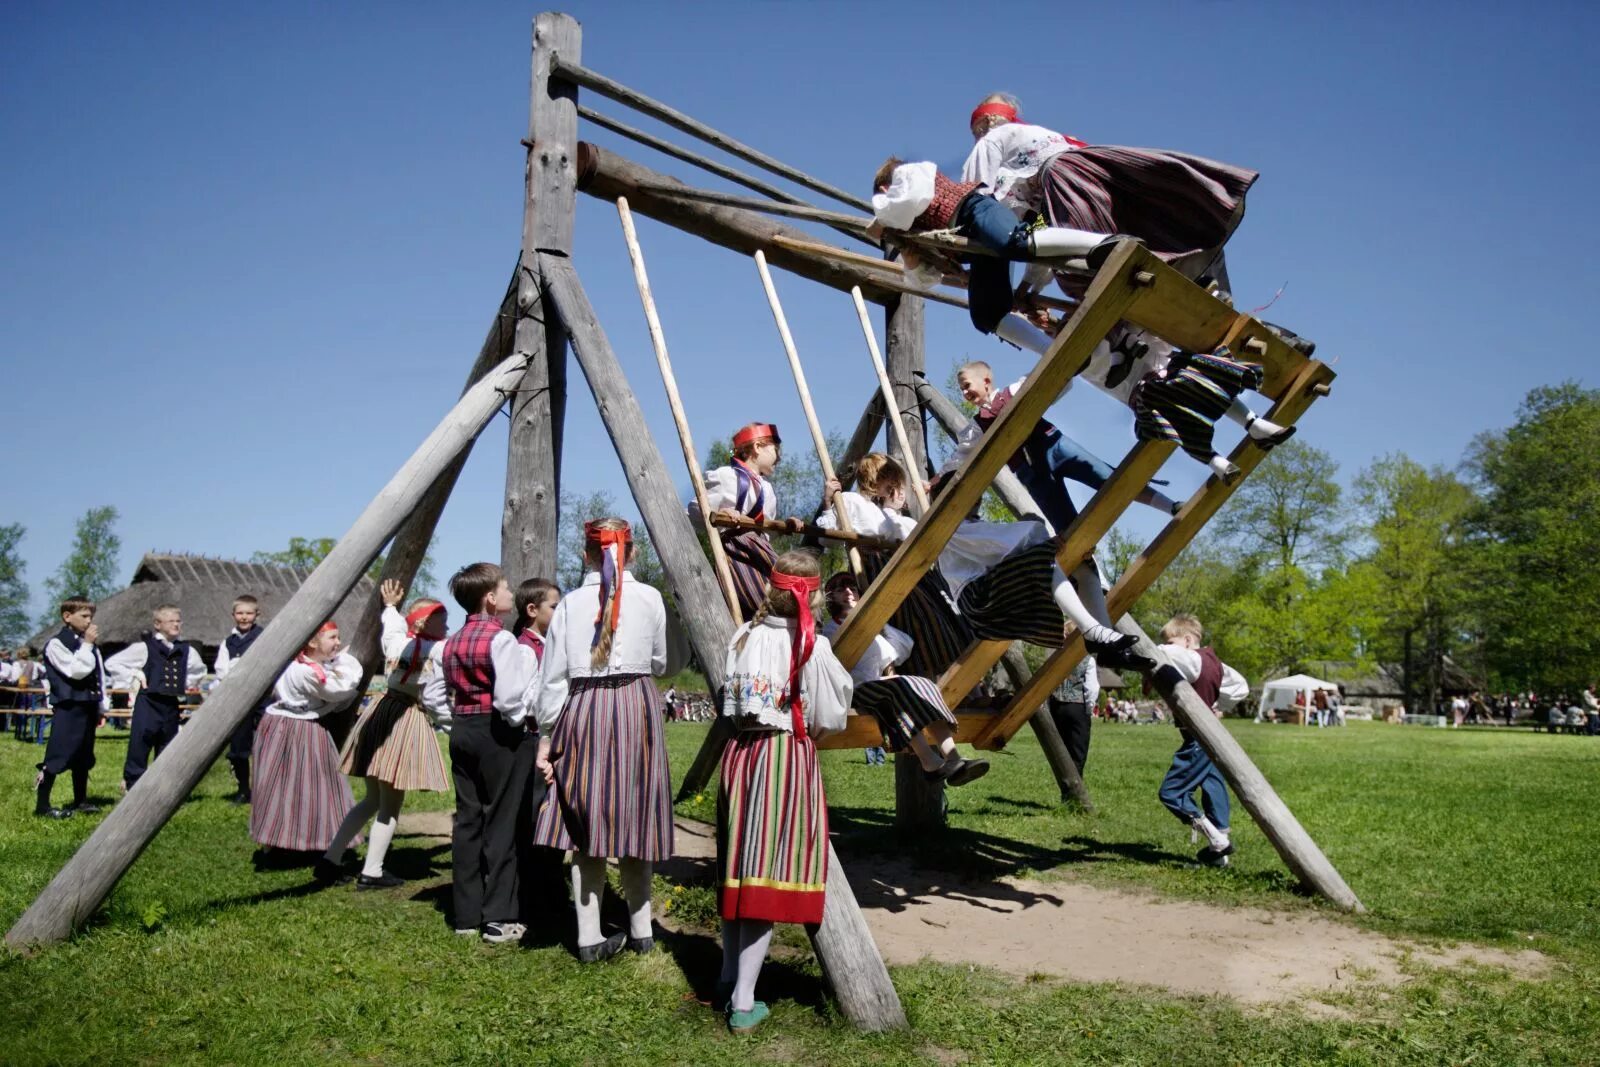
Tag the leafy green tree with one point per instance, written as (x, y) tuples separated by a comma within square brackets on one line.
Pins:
[(90, 569), (1287, 510), (579, 508), (304, 553), (1535, 539), (1415, 521), (13, 588)]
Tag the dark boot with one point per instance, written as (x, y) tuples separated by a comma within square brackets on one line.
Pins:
[(41, 806), (241, 775), (80, 792)]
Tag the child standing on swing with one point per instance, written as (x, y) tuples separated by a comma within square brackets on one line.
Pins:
[(784, 687), (743, 488)]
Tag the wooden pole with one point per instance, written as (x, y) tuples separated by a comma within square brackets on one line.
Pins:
[(915, 477), (77, 891), (817, 436), (658, 339), (849, 957), (1298, 850), (530, 521), (806, 529), (1006, 484), (857, 223), (567, 67), (606, 175)]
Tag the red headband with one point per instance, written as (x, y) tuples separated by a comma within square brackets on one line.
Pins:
[(994, 107), (617, 541), (420, 612), (329, 625), (805, 639), (756, 431)]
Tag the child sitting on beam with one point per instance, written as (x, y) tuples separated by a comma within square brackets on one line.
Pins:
[(905, 705)]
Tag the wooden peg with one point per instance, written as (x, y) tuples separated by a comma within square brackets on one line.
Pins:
[(1321, 389), (1256, 346), (1143, 279)]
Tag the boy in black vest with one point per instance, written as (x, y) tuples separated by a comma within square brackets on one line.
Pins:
[(246, 609), (157, 669), (1221, 687), (78, 698)]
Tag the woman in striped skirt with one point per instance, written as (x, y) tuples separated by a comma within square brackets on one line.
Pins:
[(784, 687), (743, 489), (301, 796), (905, 705), (602, 747), (392, 745)]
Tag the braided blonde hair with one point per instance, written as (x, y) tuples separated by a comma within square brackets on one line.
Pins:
[(802, 563), (601, 654)]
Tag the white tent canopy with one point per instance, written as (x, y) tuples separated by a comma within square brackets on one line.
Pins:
[(1281, 693)]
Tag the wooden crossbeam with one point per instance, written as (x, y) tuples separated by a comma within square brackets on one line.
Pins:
[(1144, 570), (861, 731), (1112, 291)]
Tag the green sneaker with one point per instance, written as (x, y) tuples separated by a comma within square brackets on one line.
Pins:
[(742, 1022)]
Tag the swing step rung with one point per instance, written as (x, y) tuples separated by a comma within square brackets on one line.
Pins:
[(861, 731)]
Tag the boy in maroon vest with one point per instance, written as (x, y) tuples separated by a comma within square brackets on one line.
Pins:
[(1221, 687), (491, 753)]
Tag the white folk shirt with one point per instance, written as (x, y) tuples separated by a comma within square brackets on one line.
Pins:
[(516, 674), (722, 493), (888, 648), (28, 673), (225, 661), (648, 641), (758, 672), (970, 435), (401, 648), (128, 665), (1187, 660), (1008, 159), (909, 194), (79, 664), (304, 692)]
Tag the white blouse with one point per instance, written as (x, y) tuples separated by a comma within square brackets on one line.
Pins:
[(888, 648), (909, 194), (722, 492), (128, 665), (867, 518), (1008, 158), (400, 649), (649, 641), (758, 672), (79, 664), (302, 692), (1234, 688)]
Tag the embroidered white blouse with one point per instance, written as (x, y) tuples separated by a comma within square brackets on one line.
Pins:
[(648, 641), (909, 194), (890, 647), (301, 692), (758, 672), (400, 649), (1008, 158), (722, 492)]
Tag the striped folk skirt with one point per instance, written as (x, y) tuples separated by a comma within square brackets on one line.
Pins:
[(772, 829), (750, 559), (928, 614), (1183, 407), (394, 743), (612, 794), (904, 706), (1012, 600), (1179, 204), (300, 795)]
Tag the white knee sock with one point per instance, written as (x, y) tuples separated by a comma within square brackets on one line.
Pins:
[(588, 886), (757, 936), (1221, 465), (383, 827), (1256, 426), (636, 890), (353, 822), (1024, 334), (1072, 606), (1156, 499), (1218, 838)]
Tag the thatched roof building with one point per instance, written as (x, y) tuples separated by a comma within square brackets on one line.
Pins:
[(203, 589)]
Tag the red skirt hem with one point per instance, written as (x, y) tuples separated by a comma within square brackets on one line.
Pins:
[(772, 905)]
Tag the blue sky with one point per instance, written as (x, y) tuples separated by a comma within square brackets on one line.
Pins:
[(247, 252)]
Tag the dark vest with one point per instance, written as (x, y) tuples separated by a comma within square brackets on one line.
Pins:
[(64, 690), (165, 673), (238, 644), (1208, 686), (468, 667)]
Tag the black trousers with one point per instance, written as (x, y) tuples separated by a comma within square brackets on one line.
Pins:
[(155, 724), (1072, 721), (71, 744), (490, 761), (243, 741), (541, 872)]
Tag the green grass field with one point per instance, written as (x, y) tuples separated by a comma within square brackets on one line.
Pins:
[(1484, 836)]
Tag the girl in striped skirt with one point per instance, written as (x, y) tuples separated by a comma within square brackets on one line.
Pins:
[(301, 796), (602, 748), (905, 705), (784, 687), (743, 489), (392, 745)]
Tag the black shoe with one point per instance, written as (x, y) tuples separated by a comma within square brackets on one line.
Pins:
[(1267, 444), (969, 771), (1304, 345), (603, 951), (382, 881), (1214, 857), (1121, 643), (240, 798), (329, 873), (642, 945), (83, 807), (1101, 252), (53, 813)]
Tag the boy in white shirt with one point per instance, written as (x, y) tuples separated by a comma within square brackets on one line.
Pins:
[(157, 669), (78, 697)]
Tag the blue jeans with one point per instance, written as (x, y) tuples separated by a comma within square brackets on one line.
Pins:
[(1043, 477), (1192, 769), (875, 757), (987, 221)]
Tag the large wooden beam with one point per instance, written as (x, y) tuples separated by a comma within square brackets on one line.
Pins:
[(74, 894), (1300, 853), (1111, 292), (606, 175), (530, 521)]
